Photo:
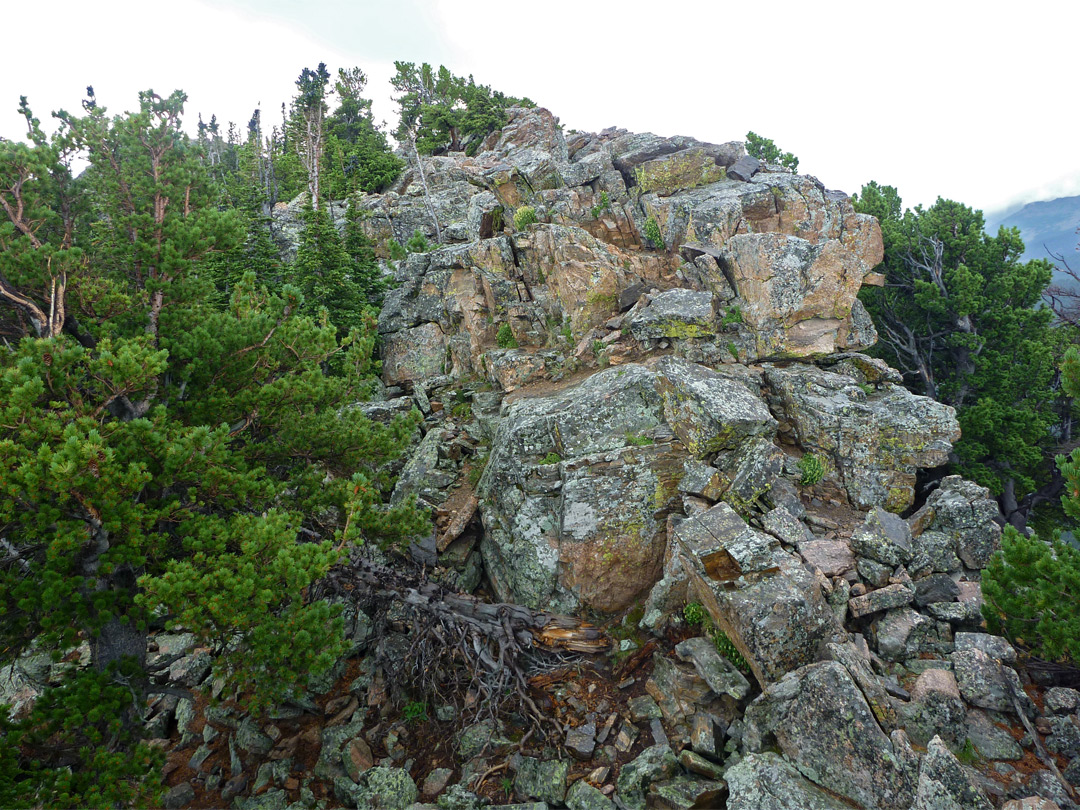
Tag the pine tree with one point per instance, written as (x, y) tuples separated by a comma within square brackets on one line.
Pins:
[(164, 462), (960, 316)]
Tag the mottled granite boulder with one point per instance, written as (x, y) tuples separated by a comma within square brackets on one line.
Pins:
[(766, 781), (944, 784), (876, 441), (769, 604), (819, 718)]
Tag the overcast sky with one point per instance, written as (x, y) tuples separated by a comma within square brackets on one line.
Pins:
[(973, 101)]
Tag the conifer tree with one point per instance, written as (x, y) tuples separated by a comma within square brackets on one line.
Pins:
[(960, 316), (164, 462)]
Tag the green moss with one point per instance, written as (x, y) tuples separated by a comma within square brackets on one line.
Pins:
[(551, 458), (638, 441), (732, 316), (653, 234)]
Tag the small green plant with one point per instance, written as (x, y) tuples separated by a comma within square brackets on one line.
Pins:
[(463, 410), (497, 223), (731, 347), (652, 232), (695, 614), (598, 347), (603, 205), (567, 332), (727, 648), (551, 458), (504, 338), (414, 712), (866, 388), (638, 441), (507, 785), (395, 250), (524, 217), (732, 316), (417, 243), (967, 754), (812, 468)]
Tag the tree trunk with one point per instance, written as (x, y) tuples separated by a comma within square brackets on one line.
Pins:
[(427, 191)]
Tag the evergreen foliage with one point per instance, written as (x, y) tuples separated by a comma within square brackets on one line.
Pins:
[(960, 315), (768, 152), (447, 113), (524, 217), (1029, 591), (166, 461)]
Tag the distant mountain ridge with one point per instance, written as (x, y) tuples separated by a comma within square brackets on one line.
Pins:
[(1047, 227)]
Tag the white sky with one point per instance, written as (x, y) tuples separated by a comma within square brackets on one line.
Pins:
[(973, 101)]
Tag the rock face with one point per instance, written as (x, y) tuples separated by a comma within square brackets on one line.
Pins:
[(876, 440), (783, 257), (665, 367)]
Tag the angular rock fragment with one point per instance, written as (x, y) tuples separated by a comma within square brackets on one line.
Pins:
[(943, 783), (767, 602), (824, 726)]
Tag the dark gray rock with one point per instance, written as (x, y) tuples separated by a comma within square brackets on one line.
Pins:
[(990, 740), (936, 588), (179, 796), (651, 765), (880, 599), (542, 779), (883, 537), (583, 796), (744, 168), (581, 741), (986, 683), (686, 792), (1064, 738), (707, 733), (994, 646), (719, 673), (643, 708), (1061, 700)]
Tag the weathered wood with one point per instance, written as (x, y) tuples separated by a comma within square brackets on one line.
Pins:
[(473, 654)]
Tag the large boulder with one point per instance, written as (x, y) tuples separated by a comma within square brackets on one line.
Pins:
[(944, 784), (823, 725), (769, 604), (574, 511), (579, 485), (962, 516), (877, 441), (766, 781), (710, 410)]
